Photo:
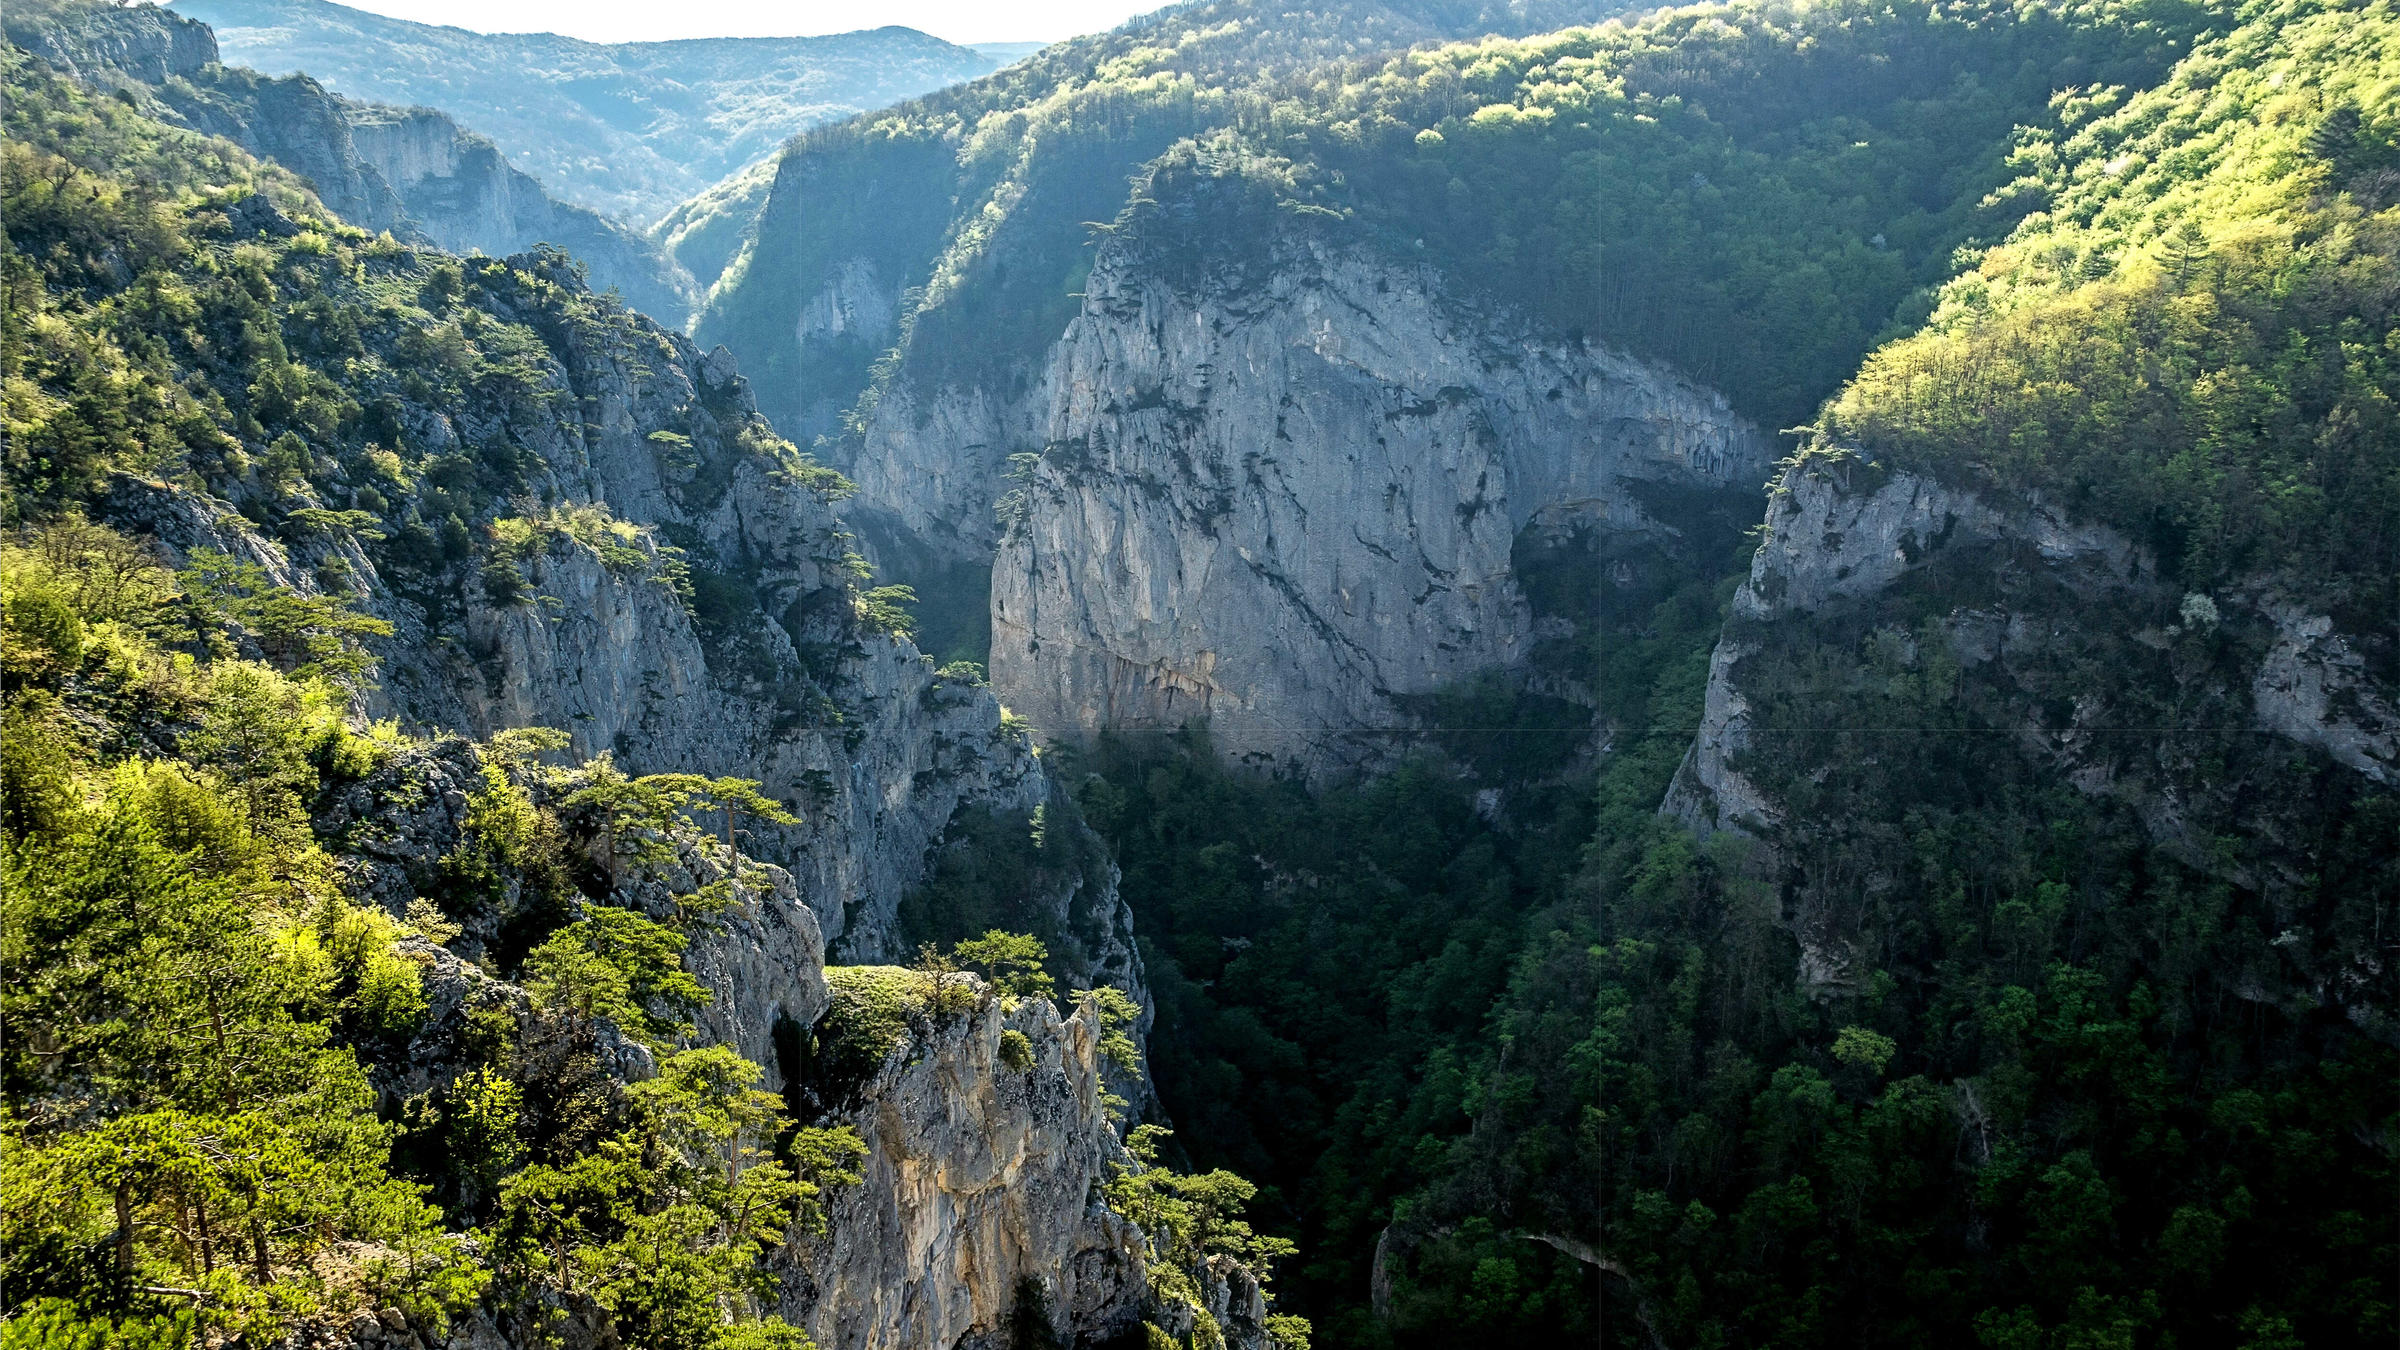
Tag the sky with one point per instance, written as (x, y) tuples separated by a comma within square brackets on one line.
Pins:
[(648, 20)]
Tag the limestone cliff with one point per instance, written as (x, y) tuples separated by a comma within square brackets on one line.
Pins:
[(1287, 497), (775, 680), (144, 42), (572, 518), (979, 1222), (466, 196), (608, 541), (979, 1196), (988, 1140)]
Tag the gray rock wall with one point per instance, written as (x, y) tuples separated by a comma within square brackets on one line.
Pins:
[(1284, 506), (1830, 539), (144, 42), (978, 1191)]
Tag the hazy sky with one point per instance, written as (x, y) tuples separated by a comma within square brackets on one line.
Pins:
[(646, 20)]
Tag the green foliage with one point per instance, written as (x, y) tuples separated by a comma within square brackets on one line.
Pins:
[(1288, 1331), (1011, 962), (884, 609), (1323, 964), (664, 1225), (1755, 193), (615, 965), (1016, 1050), (867, 1017), (512, 857), (1116, 1011), (2195, 345), (182, 975), (56, 1324), (1188, 1221), (637, 813), (1863, 1048), (194, 1151)]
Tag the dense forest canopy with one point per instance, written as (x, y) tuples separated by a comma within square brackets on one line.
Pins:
[(2211, 271)]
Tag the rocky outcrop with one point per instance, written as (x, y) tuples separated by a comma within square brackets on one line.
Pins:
[(978, 1210), (1838, 533), (2314, 688), (1287, 498), (1905, 647), (775, 679), (142, 41), (977, 1214), (874, 749), (463, 194)]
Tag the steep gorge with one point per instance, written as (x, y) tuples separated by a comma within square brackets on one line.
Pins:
[(1961, 914), (1060, 400)]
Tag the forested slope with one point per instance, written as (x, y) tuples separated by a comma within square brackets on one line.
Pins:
[(985, 190), (380, 968), (408, 170), (2012, 964), (1957, 911)]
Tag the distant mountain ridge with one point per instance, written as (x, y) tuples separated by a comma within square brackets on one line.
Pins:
[(630, 129)]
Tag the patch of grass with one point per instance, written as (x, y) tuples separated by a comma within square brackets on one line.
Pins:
[(867, 1019)]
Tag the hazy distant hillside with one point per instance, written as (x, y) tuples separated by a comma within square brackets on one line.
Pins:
[(629, 128)]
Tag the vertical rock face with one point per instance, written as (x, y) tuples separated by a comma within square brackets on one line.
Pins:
[(875, 750), (1906, 645), (1286, 499), (297, 124), (978, 1205), (931, 466), (465, 196), (977, 1212), (775, 680), (1835, 540)]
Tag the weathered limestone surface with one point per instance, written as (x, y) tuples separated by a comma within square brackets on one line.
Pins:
[(1284, 502)]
